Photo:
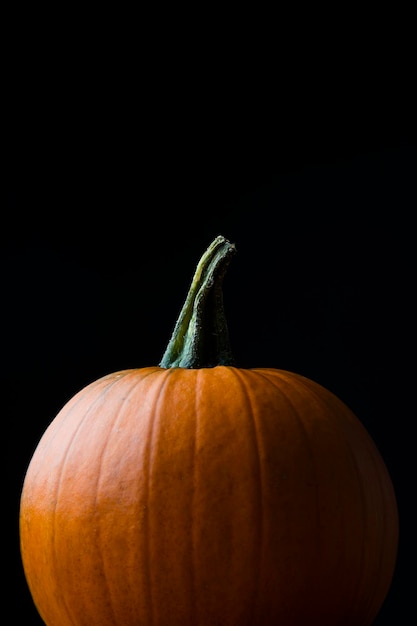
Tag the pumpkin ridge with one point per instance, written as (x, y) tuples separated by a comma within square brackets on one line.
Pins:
[(358, 583), (97, 483), (305, 436), (60, 477), (356, 600), (193, 541), (373, 454), (255, 430), (312, 388), (372, 451), (372, 605), (158, 398), (336, 427)]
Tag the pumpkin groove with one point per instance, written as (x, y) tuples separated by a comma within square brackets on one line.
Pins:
[(207, 494), (258, 493)]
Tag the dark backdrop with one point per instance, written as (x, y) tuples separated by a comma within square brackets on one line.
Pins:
[(113, 193)]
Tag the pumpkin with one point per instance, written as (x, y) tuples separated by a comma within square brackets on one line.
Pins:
[(199, 493)]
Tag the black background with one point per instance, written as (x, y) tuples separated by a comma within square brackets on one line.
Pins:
[(119, 176)]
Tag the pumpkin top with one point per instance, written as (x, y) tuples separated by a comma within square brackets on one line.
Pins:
[(201, 337)]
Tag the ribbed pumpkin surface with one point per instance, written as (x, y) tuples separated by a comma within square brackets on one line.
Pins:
[(213, 496)]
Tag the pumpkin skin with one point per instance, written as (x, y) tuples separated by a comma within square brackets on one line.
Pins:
[(210, 496)]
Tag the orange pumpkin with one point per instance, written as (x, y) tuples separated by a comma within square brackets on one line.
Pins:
[(199, 493)]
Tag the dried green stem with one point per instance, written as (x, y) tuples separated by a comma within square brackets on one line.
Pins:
[(201, 337)]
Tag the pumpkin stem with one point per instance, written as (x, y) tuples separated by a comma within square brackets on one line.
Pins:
[(201, 337)]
